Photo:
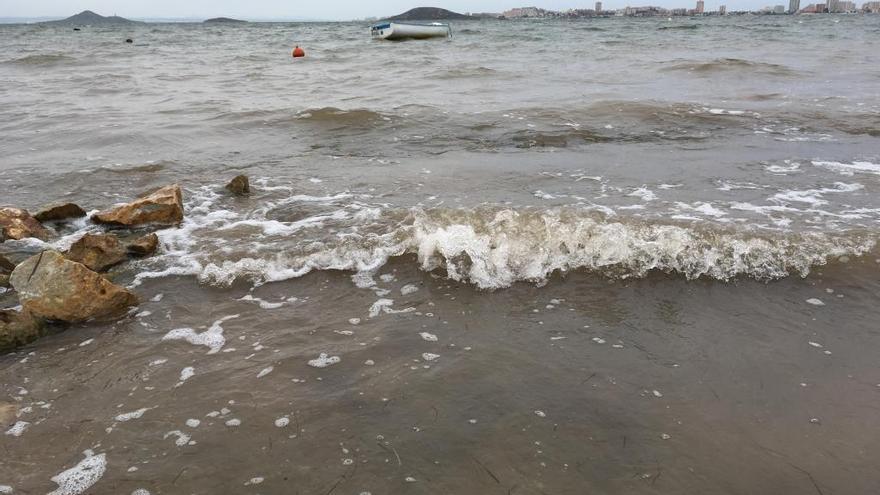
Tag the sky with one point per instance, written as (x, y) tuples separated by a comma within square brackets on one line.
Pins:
[(324, 10)]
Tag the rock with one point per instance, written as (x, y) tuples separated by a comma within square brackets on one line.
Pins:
[(98, 252), (144, 246), (4, 280), (17, 329), (239, 186), (16, 223), (59, 211), (52, 287), (162, 206), (5, 264)]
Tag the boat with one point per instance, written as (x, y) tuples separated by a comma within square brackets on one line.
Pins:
[(401, 31)]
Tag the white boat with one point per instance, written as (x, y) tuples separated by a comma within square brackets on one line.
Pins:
[(400, 31)]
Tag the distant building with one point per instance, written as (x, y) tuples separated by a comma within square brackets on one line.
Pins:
[(598, 7), (871, 7), (700, 7), (794, 6), (525, 12), (779, 9), (722, 10)]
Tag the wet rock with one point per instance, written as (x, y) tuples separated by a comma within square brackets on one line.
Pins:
[(4, 280), (163, 206), (6, 265), (59, 211), (144, 246), (16, 223), (17, 329), (52, 287), (98, 252), (239, 186)]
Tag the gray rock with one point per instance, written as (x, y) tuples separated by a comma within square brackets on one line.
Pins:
[(59, 211)]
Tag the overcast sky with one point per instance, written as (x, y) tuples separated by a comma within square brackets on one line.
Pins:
[(326, 9)]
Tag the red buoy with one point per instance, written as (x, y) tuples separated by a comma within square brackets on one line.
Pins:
[(298, 52)]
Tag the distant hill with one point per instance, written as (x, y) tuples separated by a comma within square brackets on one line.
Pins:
[(224, 20), (89, 18), (428, 14)]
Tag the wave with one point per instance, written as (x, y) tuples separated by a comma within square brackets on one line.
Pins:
[(721, 65), (687, 27), (489, 247), (42, 60), (336, 116)]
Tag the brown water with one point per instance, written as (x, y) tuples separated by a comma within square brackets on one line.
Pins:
[(643, 263)]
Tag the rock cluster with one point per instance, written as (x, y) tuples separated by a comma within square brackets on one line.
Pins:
[(55, 287)]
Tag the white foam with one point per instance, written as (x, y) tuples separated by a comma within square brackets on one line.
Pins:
[(849, 169), (384, 306), (18, 428), (132, 415), (430, 337), (408, 289), (323, 361), (233, 422), (81, 477), (256, 480), (427, 356), (644, 193), (193, 423), (265, 371), (187, 373), (182, 438), (815, 302), (814, 196), (282, 422), (263, 303), (141, 491), (5, 488), (212, 337)]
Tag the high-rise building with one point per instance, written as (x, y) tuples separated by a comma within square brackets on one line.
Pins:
[(794, 6), (700, 6), (722, 10), (598, 7)]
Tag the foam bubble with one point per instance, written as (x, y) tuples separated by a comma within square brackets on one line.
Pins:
[(430, 337), (18, 428), (282, 422), (408, 289), (849, 169), (193, 423), (81, 477), (182, 438), (187, 373), (132, 415), (427, 356), (323, 361), (212, 337), (265, 371)]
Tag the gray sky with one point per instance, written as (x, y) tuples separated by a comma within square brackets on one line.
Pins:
[(327, 9)]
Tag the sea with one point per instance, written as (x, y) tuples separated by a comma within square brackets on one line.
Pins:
[(596, 256)]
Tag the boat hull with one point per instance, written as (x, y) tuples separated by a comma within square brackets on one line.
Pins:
[(400, 31)]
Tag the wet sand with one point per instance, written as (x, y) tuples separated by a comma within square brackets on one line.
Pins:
[(655, 385)]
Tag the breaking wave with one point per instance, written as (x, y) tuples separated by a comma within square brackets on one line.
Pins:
[(489, 247), (42, 60), (720, 65)]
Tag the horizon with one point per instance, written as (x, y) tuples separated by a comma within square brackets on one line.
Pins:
[(273, 10)]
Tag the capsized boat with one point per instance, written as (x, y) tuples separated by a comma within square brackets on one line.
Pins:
[(400, 31)]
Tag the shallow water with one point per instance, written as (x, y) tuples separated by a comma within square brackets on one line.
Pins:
[(646, 250)]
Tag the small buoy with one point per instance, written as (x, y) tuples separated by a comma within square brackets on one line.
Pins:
[(129, 40), (76, 29), (298, 52)]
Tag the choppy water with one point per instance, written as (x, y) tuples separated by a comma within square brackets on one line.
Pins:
[(612, 227)]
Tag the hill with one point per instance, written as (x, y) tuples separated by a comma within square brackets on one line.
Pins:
[(89, 18), (224, 20), (428, 14)]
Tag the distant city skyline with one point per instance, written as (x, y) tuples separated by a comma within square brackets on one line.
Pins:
[(327, 10)]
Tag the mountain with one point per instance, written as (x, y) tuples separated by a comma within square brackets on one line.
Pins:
[(224, 20), (89, 18), (428, 14)]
